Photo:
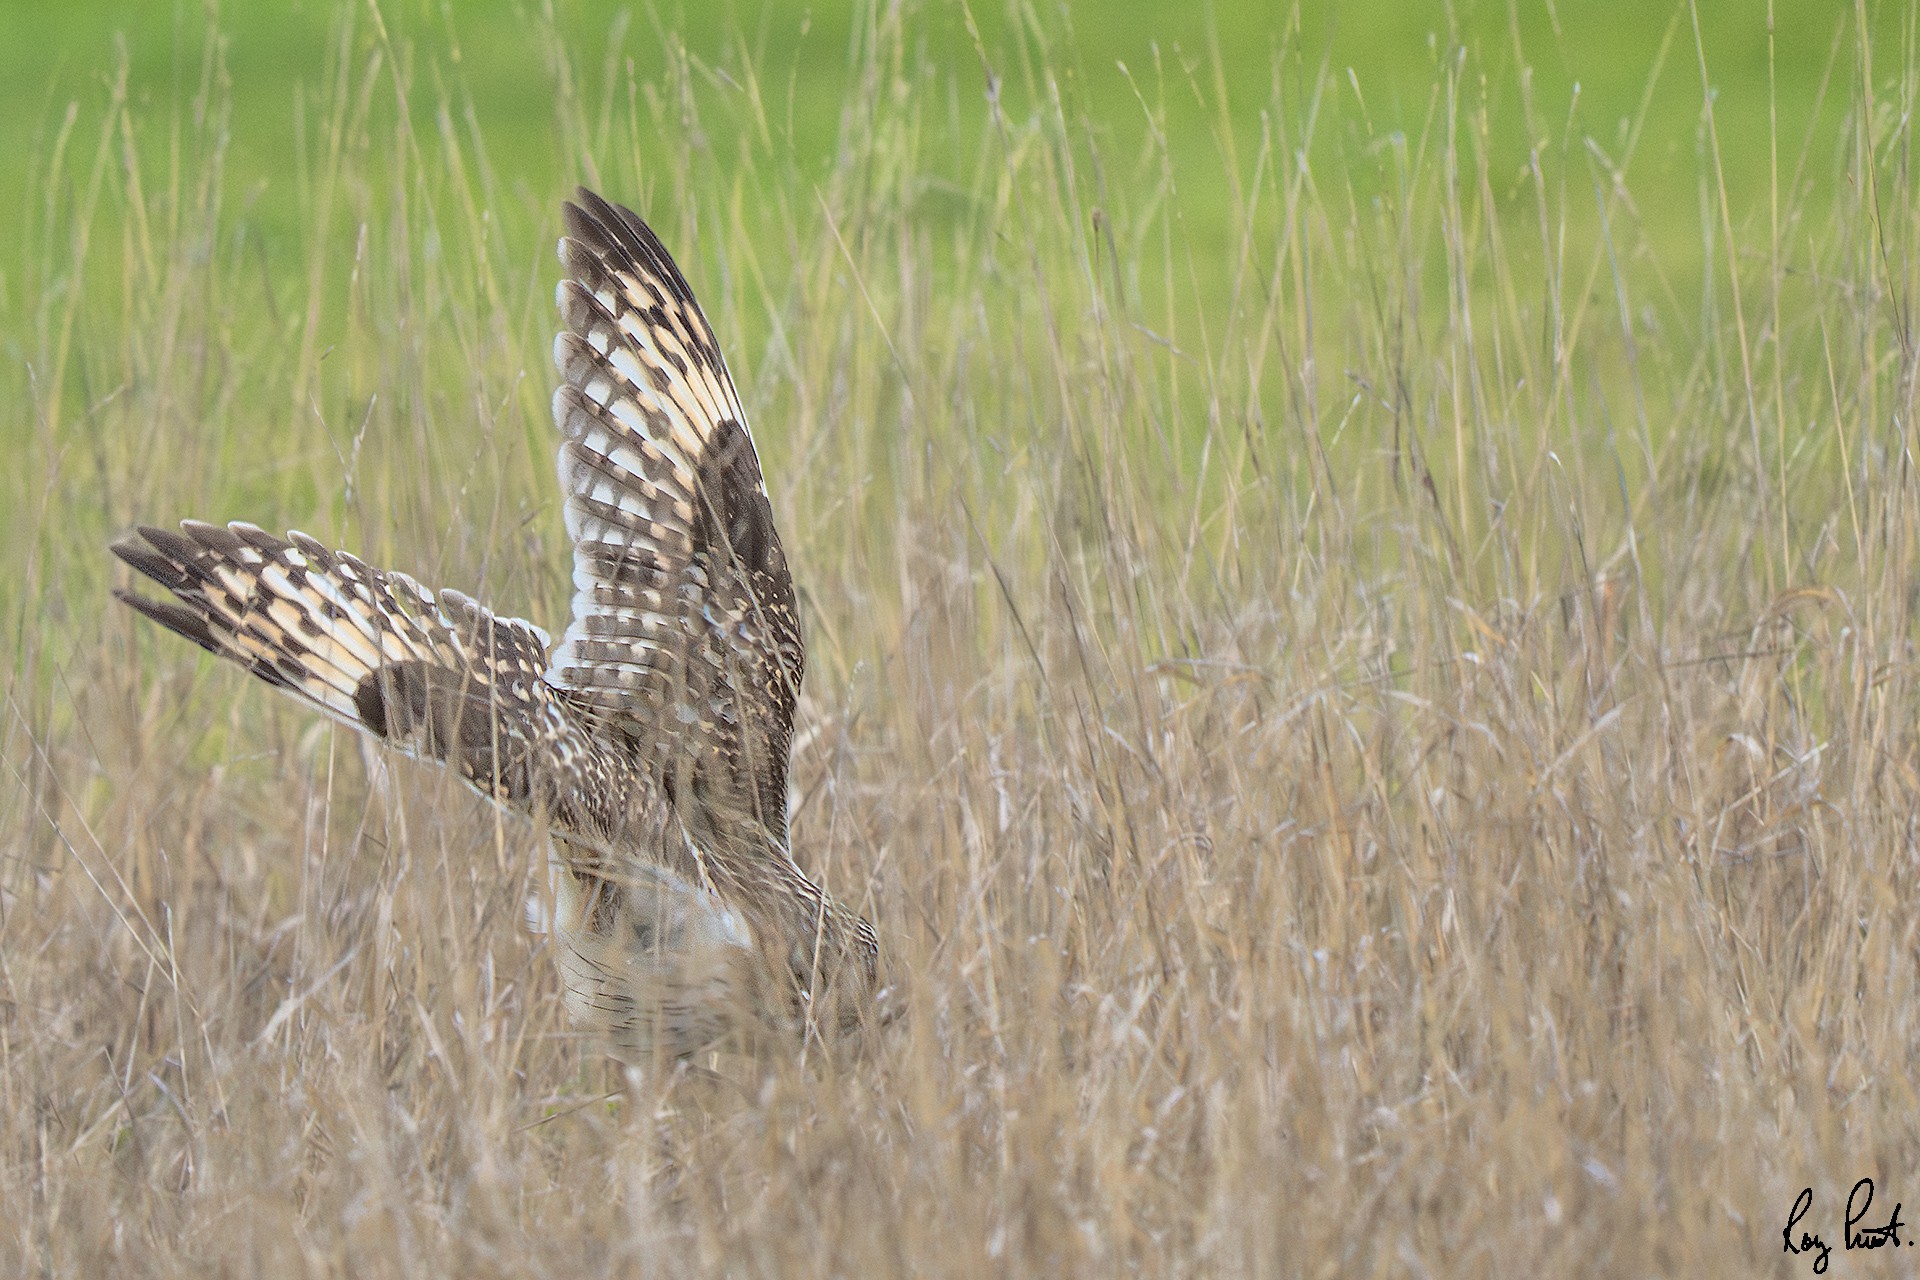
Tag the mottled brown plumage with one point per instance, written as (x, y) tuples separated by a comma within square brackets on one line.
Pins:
[(652, 740)]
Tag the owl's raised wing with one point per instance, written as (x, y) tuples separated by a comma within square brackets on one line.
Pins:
[(684, 631)]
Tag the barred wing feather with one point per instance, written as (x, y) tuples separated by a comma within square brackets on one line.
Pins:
[(684, 629)]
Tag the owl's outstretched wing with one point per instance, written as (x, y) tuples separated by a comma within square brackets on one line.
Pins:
[(651, 958), (684, 631), (434, 674)]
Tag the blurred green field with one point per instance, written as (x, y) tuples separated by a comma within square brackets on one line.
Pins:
[(1186, 88), (1583, 130), (1358, 569), (489, 53)]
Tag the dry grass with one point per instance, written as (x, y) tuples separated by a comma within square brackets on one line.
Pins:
[(1379, 741)]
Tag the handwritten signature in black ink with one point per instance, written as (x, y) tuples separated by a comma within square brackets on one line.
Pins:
[(1858, 1202)]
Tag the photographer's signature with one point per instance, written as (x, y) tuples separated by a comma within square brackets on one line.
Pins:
[(1799, 1240)]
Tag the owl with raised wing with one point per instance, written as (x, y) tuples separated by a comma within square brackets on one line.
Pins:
[(652, 739)]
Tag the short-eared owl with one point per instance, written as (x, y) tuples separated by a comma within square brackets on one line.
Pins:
[(652, 740)]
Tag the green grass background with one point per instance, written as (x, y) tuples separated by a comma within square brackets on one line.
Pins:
[(1626, 77), (1763, 60), (1640, 134)]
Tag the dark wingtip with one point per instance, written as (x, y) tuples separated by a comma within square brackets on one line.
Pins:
[(129, 547), (610, 229), (175, 618), (137, 539), (227, 540), (146, 551), (175, 544), (581, 215), (591, 203)]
